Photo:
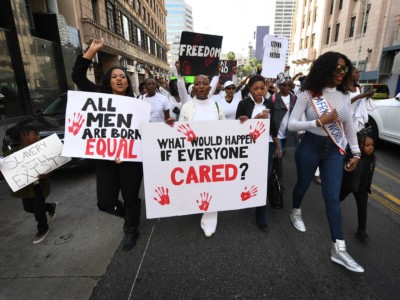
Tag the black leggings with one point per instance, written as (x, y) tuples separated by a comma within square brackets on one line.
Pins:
[(38, 207), (113, 178), (362, 205)]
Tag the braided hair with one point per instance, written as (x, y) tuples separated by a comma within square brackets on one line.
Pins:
[(362, 136)]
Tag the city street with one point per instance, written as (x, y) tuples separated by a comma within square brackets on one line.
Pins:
[(82, 259)]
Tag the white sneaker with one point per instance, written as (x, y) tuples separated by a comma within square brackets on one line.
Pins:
[(339, 255), (208, 234), (297, 220)]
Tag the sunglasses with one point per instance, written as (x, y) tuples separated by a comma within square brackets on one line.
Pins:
[(341, 69), (230, 88)]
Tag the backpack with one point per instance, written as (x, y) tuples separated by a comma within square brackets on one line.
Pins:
[(275, 184)]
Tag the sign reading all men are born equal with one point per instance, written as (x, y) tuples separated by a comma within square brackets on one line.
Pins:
[(204, 166), (23, 167), (104, 126), (275, 49)]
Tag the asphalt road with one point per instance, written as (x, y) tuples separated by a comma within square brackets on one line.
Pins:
[(173, 259)]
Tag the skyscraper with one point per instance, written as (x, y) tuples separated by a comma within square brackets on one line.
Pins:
[(284, 10), (179, 19), (260, 33)]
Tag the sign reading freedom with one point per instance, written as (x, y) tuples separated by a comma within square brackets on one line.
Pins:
[(104, 126), (22, 167), (204, 166), (199, 53)]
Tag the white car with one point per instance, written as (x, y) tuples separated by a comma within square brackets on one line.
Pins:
[(385, 120)]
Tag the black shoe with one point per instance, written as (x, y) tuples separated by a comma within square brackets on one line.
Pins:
[(263, 227), (130, 240), (40, 236), (52, 213), (362, 236), (317, 180)]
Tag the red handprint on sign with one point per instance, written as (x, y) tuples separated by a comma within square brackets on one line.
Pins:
[(163, 194), (197, 39), (186, 68), (209, 60), (76, 124), (247, 194), (255, 134), (204, 202), (188, 132)]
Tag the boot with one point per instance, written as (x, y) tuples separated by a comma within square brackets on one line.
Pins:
[(117, 210), (339, 255), (132, 220)]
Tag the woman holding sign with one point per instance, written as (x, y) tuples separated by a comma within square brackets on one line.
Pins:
[(114, 177), (328, 126), (257, 107)]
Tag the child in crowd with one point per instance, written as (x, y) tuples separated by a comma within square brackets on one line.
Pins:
[(34, 195), (359, 181)]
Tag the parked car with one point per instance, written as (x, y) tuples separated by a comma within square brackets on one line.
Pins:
[(385, 120), (48, 121)]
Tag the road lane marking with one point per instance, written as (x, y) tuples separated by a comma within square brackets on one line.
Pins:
[(386, 194), (387, 174), (141, 261), (386, 203)]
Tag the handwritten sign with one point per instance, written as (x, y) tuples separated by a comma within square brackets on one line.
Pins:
[(199, 53), (226, 70), (275, 49), (104, 126), (206, 166), (22, 167)]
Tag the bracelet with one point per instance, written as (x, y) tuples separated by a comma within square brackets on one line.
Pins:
[(320, 123)]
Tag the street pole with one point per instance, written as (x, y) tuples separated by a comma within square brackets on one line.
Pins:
[(362, 33)]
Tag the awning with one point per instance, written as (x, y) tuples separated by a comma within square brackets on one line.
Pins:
[(395, 48)]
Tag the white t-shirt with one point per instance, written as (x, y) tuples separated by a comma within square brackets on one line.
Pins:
[(205, 110), (230, 107), (159, 103), (285, 121)]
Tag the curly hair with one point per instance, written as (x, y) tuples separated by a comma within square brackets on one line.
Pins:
[(322, 71), (106, 86), (362, 136)]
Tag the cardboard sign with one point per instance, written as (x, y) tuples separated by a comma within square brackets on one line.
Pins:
[(275, 49), (104, 126), (204, 166), (226, 70), (23, 167), (199, 53)]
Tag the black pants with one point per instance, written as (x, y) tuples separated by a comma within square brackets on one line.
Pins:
[(38, 207), (113, 178), (362, 205)]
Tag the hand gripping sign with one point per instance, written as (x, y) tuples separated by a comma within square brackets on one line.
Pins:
[(207, 166)]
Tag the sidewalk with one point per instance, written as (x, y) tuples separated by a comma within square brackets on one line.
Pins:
[(75, 254)]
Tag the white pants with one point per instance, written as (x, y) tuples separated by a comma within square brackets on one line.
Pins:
[(209, 222)]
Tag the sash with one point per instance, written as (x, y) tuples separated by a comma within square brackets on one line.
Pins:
[(335, 129)]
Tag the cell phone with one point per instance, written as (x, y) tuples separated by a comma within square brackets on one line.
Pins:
[(265, 111)]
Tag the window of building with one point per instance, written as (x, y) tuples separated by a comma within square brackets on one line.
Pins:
[(95, 11), (125, 28), (315, 14), (301, 44), (139, 8), (352, 26), (111, 17), (148, 44), (30, 15), (308, 18), (337, 32), (328, 33), (340, 4), (139, 36), (332, 4), (366, 19), (312, 40), (306, 42)]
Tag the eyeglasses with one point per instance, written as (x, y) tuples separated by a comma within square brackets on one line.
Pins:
[(230, 88), (341, 69)]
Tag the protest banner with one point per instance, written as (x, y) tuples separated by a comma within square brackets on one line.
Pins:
[(199, 53), (226, 70), (275, 49), (204, 166), (104, 126), (22, 167)]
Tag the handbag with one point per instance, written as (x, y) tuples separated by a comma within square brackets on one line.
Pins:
[(275, 184)]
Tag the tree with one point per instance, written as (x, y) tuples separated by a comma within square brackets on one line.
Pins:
[(230, 55)]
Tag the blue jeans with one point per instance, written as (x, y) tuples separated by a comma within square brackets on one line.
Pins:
[(261, 217), (314, 151)]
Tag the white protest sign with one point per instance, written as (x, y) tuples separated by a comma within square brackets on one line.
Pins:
[(204, 166), (104, 126), (275, 49), (22, 167)]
